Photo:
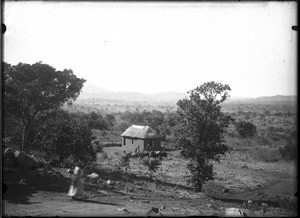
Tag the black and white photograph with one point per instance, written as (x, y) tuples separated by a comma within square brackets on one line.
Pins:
[(135, 108)]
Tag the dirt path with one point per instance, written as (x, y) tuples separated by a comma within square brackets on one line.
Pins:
[(48, 204)]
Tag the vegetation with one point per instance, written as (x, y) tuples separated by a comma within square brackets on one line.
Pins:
[(202, 139), (34, 90), (63, 136), (289, 151), (125, 161), (152, 165), (245, 129)]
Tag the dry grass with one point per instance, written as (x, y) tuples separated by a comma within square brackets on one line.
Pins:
[(235, 172)]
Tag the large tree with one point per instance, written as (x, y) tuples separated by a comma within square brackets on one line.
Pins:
[(33, 90), (61, 135), (203, 125)]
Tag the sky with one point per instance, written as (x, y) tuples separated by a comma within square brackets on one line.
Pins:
[(159, 47)]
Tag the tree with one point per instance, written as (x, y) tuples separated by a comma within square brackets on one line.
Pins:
[(96, 121), (202, 130), (110, 120), (245, 128), (33, 90), (61, 135)]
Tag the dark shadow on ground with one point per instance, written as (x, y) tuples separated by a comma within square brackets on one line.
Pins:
[(95, 202), (117, 175), (32, 182)]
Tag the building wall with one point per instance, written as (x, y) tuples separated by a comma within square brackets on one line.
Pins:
[(156, 144), (131, 144), (145, 144)]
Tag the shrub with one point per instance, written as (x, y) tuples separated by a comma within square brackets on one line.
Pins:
[(152, 164), (245, 129), (265, 154), (289, 151), (287, 203), (125, 161), (97, 145)]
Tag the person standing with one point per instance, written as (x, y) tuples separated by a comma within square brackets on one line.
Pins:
[(76, 189)]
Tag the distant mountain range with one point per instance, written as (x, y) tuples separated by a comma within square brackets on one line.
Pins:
[(90, 92), (276, 98), (135, 96)]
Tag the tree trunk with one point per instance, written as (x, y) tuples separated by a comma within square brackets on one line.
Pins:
[(25, 136), (199, 187)]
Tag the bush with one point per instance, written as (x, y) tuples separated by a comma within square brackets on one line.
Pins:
[(125, 161), (152, 164), (289, 151), (245, 129), (265, 154), (97, 145)]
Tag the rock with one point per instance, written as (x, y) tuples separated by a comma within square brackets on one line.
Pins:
[(8, 154), (26, 161), (234, 212), (154, 209), (93, 175)]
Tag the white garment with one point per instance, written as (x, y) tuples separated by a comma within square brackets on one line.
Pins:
[(76, 187)]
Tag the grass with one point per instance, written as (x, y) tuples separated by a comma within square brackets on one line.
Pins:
[(174, 170), (247, 167)]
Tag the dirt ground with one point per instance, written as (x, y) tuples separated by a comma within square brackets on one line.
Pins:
[(44, 193)]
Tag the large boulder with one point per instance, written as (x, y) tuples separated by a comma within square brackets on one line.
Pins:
[(26, 161)]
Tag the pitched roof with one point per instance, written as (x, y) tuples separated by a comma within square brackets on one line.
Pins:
[(141, 132)]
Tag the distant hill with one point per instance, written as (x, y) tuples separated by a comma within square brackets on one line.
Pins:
[(133, 96), (273, 99), (92, 89), (277, 98), (90, 92)]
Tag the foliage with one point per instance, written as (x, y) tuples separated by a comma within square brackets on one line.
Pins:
[(97, 145), (201, 171), (264, 154), (245, 128), (33, 90), (204, 124), (96, 121), (61, 136), (125, 161), (289, 151), (110, 120), (152, 164)]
